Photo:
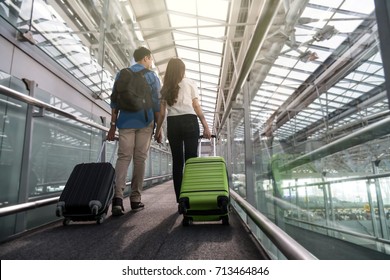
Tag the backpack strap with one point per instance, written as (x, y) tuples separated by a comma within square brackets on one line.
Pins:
[(143, 71)]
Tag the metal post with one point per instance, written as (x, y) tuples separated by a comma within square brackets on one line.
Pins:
[(249, 172), (229, 139), (104, 136), (382, 10), (21, 218), (379, 198), (372, 212)]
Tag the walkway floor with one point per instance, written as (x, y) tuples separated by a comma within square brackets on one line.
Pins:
[(153, 233)]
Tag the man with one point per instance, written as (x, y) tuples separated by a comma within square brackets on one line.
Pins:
[(135, 133)]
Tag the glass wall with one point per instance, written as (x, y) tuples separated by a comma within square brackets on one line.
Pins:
[(91, 50), (319, 131), (38, 150)]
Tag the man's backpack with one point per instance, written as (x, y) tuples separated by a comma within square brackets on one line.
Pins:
[(132, 92)]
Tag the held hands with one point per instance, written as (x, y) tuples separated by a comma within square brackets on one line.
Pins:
[(158, 136)]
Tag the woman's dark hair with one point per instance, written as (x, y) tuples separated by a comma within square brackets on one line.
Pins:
[(173, 76)]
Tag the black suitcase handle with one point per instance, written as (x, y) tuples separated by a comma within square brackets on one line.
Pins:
[(212, 136)]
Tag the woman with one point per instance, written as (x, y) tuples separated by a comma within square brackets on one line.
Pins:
[(180, 98)]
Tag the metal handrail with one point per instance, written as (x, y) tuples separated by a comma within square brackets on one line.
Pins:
[(35, 102), (285, 243), (155, 178), (368, 133), (339, 230), (343, 180), (22, 207), (13, 209)]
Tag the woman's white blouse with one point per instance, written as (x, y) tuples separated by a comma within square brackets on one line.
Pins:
[(187, 92)]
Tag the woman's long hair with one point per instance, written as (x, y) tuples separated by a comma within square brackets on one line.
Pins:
[(173, 76)]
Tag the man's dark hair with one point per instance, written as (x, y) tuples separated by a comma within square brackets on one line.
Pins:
[(140, 53)]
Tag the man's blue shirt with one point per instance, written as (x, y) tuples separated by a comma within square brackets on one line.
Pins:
[(128, 119)]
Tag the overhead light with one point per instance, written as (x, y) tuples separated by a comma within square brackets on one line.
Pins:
[(278, 36), (303, 56), (264, 61), (120, 18), (306, 20), (325, 33), (308, 56), (130, 12), (26, 36)]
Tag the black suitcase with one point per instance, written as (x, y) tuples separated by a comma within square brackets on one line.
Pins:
[(88, 192)]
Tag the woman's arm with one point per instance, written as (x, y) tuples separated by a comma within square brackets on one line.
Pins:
[(160, 120), (199, 113)]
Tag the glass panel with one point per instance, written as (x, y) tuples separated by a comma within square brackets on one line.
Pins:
[(12, 127), (238, 162), (306, 176)]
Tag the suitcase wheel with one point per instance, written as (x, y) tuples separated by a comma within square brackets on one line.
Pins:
[(182, 209), (225, 220), (101, 219), (184, 204), (223, 202), (95, 205), (60, 208), (95, 210), (186, 221), (66, 221), (59, 211)]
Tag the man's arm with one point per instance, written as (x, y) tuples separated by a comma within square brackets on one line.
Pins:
[(111, 132)]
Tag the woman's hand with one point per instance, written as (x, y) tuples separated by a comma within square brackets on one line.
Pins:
[(206, 133), (158, 136)]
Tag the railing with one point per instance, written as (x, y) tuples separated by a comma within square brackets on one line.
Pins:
[(35, 102), (4, 211), (368, 133), (53, 197), (348, 232), (286, 205), (286, 244), (344, 180)]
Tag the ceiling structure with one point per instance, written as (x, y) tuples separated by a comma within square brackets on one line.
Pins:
[(311, 68)]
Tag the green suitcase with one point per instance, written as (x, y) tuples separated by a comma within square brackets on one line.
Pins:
[(204, 194)]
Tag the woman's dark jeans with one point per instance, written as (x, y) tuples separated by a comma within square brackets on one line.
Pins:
[(183, 136)]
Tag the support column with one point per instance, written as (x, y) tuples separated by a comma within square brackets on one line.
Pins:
[(382, 10), (249, 172), (21, 218)]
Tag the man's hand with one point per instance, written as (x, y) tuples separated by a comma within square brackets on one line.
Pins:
[(206, 133), (111, 133)]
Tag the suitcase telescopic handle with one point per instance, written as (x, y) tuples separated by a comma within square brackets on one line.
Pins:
[(212, 136), (102, 149), (200, 144)]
